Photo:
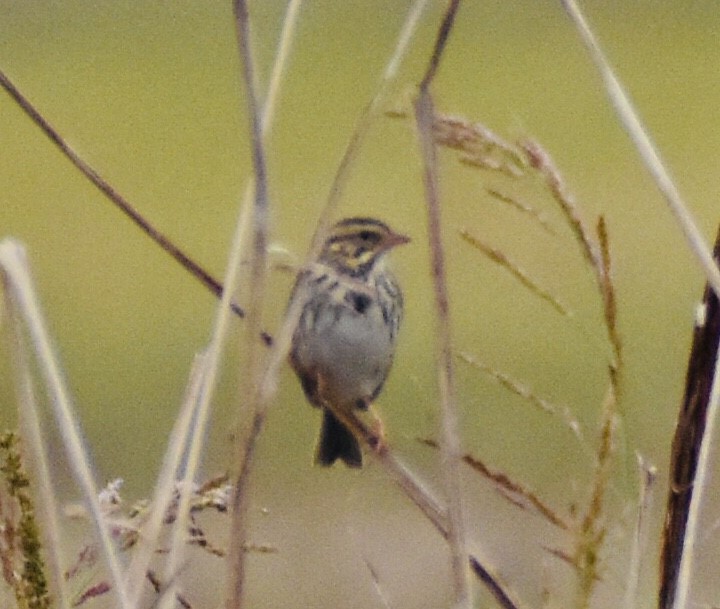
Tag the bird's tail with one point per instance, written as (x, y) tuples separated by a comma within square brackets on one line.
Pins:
[(337, 442)]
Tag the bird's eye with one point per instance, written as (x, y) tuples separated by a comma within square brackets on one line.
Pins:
[(365, 235)]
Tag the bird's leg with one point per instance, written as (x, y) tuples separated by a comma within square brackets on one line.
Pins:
[(378, 429), (375, 428), (371, 433)]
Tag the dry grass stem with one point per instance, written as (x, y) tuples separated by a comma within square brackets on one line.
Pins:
[(420, 495), (607, 292), (281, 346), (524, 208), (37, 456), (513, 491), (15, 269), (516, 387), (528, 159), (542, 162), (450, 445), (377, 584), (498, 257), (258, 270), (181, 438), (480, 147), (647, 479), (630, 120), (363, 124), (591, 531), (287, 37)]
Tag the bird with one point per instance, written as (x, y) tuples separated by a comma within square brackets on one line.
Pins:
[(343, 346)]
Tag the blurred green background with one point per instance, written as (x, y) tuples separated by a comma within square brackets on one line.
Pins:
[(149, 94)]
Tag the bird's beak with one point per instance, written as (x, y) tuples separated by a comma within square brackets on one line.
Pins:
[(396, 239)]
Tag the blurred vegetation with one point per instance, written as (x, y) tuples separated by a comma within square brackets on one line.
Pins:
[(149, 94)]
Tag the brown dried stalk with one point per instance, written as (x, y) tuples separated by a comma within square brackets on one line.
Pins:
[(258, 266), (689, 432), (450, 449)]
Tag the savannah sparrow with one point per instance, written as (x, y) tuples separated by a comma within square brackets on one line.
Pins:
[(343, 346)]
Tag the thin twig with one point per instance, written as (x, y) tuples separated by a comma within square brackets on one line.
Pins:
[(441, 40), (501, 595), (450, 449), (116, 198), (639, 135)]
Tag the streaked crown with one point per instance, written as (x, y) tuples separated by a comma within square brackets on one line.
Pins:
[(354, 245)]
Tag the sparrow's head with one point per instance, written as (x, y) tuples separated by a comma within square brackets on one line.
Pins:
[(355, 245)]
